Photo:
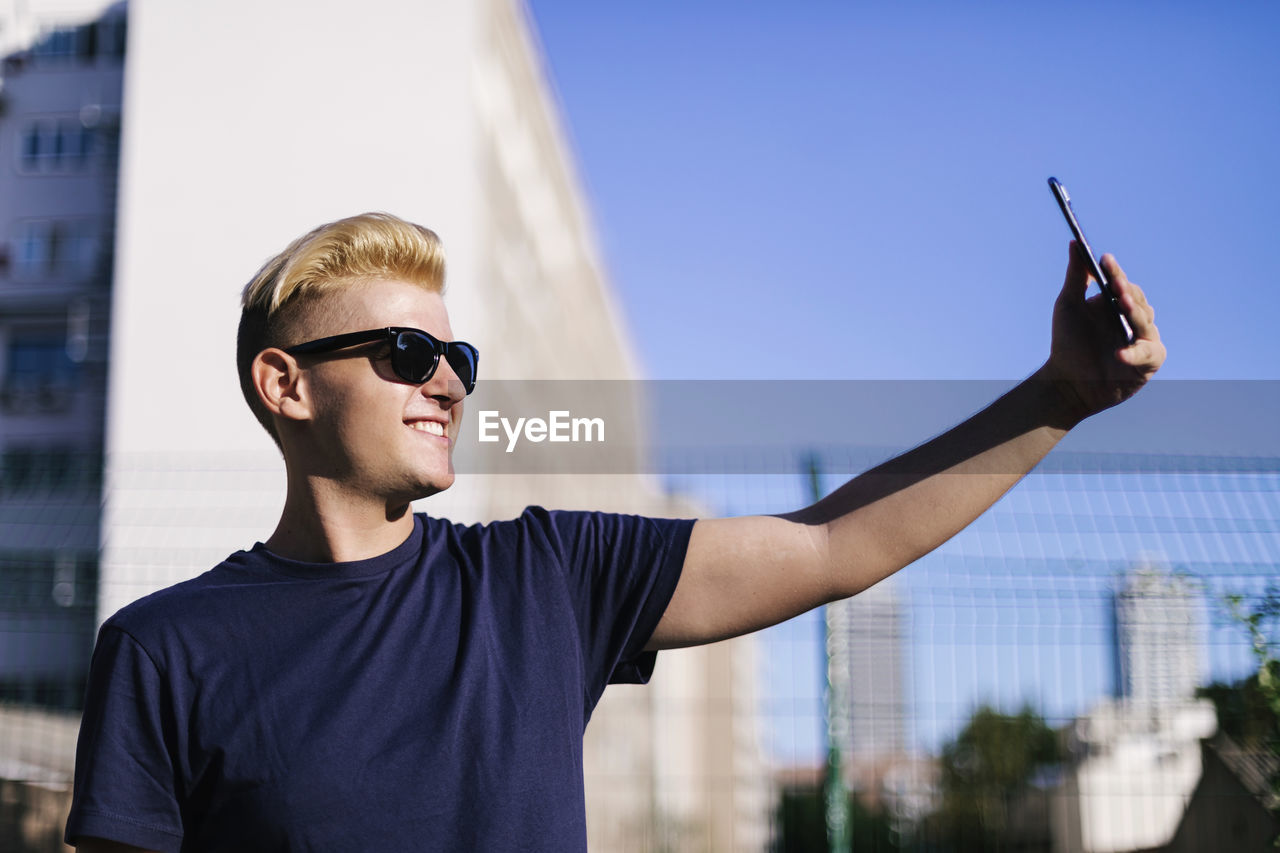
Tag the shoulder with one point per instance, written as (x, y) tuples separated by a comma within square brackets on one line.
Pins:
[(182, 602), (569, 536), (556, 527), (551, 534), (533, 524)]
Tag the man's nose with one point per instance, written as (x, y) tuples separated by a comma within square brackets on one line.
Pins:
[(444, 384)]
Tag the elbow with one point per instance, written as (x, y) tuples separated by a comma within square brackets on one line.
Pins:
[(855, 565)]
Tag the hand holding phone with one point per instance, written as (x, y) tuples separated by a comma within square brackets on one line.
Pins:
[(1124, 329)]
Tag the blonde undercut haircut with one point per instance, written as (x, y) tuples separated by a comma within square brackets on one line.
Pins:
[(280, 305)]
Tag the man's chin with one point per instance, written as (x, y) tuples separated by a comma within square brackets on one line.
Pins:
[(402, 503), (435, 485)]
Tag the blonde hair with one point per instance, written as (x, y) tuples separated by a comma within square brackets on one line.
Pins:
[(279, 305)]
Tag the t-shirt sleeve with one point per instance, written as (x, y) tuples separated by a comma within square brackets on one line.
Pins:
[(124, 778), (621, 571)]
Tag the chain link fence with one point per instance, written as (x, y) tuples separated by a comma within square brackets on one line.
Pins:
[(1067, 674)]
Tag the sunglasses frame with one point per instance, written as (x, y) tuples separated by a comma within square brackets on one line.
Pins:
[(392, 334)]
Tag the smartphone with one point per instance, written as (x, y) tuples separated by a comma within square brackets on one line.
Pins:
[(1064, 201)]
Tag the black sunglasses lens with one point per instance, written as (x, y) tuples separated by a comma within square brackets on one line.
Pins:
[(414, 358), (463, 358)]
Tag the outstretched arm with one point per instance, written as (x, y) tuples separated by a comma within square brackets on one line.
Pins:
[(742, 574)]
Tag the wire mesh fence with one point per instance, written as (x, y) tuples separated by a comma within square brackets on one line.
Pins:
[(1078, 670)]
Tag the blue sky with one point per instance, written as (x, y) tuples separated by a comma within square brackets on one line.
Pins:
[(817, 190), (857, 190)]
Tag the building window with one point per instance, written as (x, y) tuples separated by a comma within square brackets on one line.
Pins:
[(32, 250), (39, 361), (82, 45), (79, 254), (40, 377), (67, 45), (44, 248), (26, 470), (31, 581), (111, 36), (55, 146), (31, 147)]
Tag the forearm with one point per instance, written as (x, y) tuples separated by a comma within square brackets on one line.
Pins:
[(901, 510), (741, 574)]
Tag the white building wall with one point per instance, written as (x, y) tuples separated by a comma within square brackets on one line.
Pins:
[(665, 765), (1135, 773), (434, 112), (246, 124), (713, 790)]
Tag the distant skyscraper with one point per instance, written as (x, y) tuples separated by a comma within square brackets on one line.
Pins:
[(1158, 638), (876, 632)]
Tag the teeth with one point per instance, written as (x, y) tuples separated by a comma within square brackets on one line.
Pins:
[(428, 426)]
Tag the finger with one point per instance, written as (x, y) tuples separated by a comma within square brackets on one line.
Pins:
[(1120, 284), (1135, 353), (1135, 304), (1136, 297), (1077, 278), (1110, 266), (1142, 316), (1144, 329), (1145, 356)]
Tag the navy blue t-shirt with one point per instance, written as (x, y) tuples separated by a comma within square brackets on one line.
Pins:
[(432, 698)]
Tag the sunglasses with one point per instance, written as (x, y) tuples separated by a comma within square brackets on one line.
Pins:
[(415, 355)]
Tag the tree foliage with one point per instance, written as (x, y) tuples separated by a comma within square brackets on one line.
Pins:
[(1244, 714), (1260, 618), (801, 822), (986, 772)]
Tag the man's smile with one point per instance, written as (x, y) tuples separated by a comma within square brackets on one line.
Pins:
[(428, 426)]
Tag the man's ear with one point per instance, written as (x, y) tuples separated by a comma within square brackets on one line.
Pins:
[(278, 380)]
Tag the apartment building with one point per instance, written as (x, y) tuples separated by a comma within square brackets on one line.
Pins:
[(60, 109)]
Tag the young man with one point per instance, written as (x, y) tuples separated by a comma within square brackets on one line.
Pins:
[(368, 679)]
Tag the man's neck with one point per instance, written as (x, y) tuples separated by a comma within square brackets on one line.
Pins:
[(321, 527)]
